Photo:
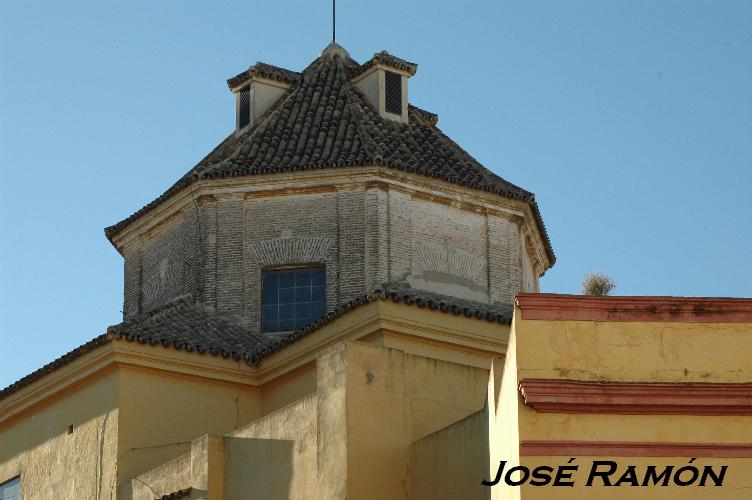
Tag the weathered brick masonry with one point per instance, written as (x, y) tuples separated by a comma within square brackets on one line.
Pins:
[(365, 232), (324, 178)]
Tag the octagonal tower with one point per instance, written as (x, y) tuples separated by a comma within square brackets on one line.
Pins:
[(331, 185)]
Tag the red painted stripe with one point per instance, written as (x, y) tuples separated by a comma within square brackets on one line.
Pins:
[(636, 398), (553, 307), (634, 449)]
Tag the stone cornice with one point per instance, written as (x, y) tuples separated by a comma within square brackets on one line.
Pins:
[(279, 184), (636, 398), (553, 307), (382, 317)]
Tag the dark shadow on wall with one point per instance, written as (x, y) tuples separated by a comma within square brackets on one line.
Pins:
[(258, 468), (450, 463)]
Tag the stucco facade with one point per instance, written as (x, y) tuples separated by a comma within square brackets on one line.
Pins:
[(392, 400)]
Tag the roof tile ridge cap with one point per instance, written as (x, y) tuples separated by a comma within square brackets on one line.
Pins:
[(255, 69), (185, 180), (327, 318), (468, 157), (207, 161), (313, 66), (369, 144), (431, 119), (274, 66), (182, 300), (57, 362), (543, 230)]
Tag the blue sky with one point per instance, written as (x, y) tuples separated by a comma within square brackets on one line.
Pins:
[(630, 120)]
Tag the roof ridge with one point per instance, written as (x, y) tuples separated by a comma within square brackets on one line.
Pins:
[(182, 300), (368, 142)]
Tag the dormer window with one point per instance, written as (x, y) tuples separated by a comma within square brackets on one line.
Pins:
[(245, 107), (383, 83), (393, 93), (253, 97)]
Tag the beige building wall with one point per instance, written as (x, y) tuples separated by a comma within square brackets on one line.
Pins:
[(448, 464), (275, 456), (161, 414), (352, 437), (55, 462)]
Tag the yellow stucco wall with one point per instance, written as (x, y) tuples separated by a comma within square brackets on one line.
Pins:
[(55, 464), (634, 351), (163, 480), (289, 388), (351, 437), (736, 484), (332, 418), (161, 414), (275, 456), (449, 464), (392, 400), (504, 425), (128, 417)]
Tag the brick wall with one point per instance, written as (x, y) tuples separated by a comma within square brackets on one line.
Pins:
[(364, 234)]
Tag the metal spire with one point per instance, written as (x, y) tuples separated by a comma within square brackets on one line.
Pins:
[(334, 21)]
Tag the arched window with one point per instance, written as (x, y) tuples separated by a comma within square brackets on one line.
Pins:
[(292, 298)]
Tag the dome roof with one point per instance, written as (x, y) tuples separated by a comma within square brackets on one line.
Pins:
[(323, 121)]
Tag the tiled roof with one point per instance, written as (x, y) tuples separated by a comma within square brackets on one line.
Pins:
[(184, 493), (187, 326), (322, 121)]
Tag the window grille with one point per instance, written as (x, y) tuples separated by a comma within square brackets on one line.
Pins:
[(292, 298), (244, 108), (393, 93)]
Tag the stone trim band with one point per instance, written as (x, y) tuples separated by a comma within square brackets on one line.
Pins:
[(634, 449), (636, 398)]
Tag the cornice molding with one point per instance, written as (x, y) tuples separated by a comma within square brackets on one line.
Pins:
[(316, 181), (375, 321), (633, 449), (555, 307), (636, 398), (118, 354)]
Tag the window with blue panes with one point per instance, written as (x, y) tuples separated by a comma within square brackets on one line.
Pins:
[(292, 298), (11, 490)]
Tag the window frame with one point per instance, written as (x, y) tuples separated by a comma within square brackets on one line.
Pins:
[(395, 78), (238, 107), (319, 266), (9, 481)]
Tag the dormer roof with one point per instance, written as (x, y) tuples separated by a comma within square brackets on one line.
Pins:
[(264, 70), (323, 121), (384, 58)]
